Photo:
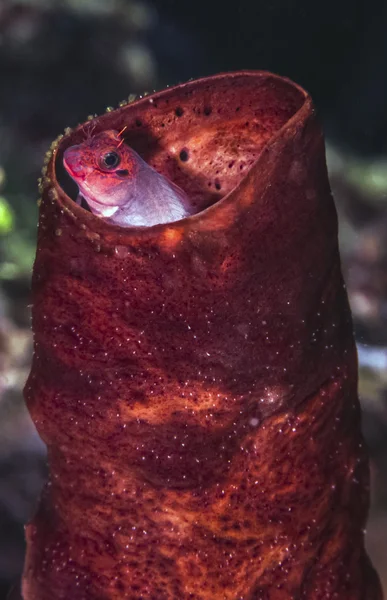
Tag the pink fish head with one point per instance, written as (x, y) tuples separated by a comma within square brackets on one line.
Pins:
[(103, 168)]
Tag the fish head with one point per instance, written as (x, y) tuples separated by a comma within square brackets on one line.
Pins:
[(105, 170)]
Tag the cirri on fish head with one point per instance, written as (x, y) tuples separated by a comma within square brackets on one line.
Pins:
[(119, 186)]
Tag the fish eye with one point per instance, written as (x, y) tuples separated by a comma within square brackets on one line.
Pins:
[(109, 161)]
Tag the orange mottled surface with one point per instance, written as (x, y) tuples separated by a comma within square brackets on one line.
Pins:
[(196, 382)]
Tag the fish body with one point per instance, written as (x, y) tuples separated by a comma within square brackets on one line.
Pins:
[(119, 186)]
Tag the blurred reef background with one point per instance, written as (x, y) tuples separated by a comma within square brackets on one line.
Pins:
[(62, 60)]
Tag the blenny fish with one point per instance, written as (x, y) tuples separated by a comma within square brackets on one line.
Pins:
[(119, 186)]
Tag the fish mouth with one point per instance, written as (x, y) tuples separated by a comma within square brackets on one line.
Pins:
[(73, 170), (73, 165)]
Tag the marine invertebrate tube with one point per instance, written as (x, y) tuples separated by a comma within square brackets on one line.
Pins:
[(196, 382)]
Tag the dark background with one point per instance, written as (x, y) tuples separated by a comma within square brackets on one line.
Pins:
[(60, 61)]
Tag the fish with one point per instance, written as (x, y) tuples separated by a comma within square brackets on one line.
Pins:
[(120, 187)]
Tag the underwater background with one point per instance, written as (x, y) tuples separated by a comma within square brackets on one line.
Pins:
[(61, 61)]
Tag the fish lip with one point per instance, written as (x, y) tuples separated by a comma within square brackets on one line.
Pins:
[(71, 170)]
